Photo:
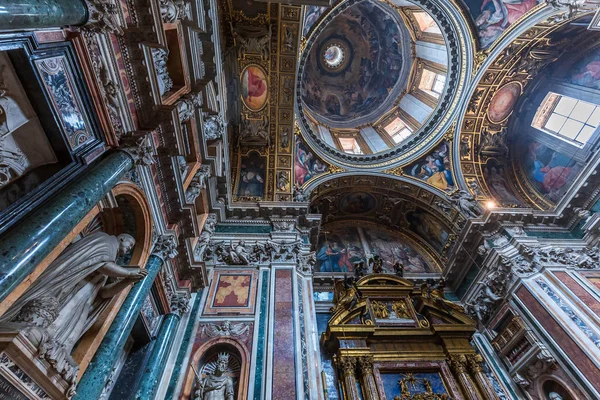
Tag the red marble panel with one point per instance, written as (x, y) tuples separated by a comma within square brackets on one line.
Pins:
[(579, 291), (560, 336), (284, 371)]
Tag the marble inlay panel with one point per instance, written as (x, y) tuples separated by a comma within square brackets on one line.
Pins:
[(575, 354), (569, 311), (232, 292), (66, 102), (284, 372)]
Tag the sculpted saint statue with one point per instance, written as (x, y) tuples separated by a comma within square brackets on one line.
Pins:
[(67, 298), (217, 386)]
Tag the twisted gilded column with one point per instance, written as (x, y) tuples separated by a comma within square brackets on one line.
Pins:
[(458, 364), (24, 246), (348, 367), (96, 375), (474, 361), (365, 365)]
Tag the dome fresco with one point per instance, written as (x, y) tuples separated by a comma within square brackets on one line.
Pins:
[(356, 63)]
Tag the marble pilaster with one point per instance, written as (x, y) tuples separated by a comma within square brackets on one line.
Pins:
[(158, 358), (24, 246), (96, 375), (37, 14)]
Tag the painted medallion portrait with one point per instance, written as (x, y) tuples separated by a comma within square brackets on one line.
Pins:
[(254, 87), (503, 102), (358, 203)]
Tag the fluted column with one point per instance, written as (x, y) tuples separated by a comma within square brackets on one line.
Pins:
[(348, 367), (458, 364), (365, 365), (36, 14), (474, 361), (24, 246), (96, 375)]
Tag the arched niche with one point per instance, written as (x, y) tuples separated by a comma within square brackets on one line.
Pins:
[(205, 355), (551, 387)]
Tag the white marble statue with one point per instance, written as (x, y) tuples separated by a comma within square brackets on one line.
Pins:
[(218, 385), (71, 293)]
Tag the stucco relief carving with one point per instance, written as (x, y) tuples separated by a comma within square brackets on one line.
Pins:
[(198, 183), (204, 239), (491, 291), (159, 57), (172, 10), (213, 127), (226, 329)]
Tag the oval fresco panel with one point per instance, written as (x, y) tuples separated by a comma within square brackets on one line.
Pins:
[(358, 203), (503, 102), (254, 87)]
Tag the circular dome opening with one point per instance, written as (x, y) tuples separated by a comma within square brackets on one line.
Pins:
[(333, 56), (373, 79)]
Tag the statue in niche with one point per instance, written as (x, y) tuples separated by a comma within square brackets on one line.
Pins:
[(217, 385), (68, 297), (204, 239)]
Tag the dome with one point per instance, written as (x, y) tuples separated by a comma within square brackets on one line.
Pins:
[(357, 66), (372, 81)]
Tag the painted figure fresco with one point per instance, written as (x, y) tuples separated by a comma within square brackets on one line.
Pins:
[(311, 16), (254, 87), (551, 172), (392, 249), (252, 176), (586, 72), (434, 168), (358, 203), (341, 248), (493, 17), (503, 102), (428, 228), (306, 164), (368, 72)]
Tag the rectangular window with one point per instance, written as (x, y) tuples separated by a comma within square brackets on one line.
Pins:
[(426, 23), (432, 83), (567, 118), (398, 130), (350, 145)]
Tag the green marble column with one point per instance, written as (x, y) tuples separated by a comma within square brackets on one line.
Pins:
[(38, 14), (24, 246), (98, 371), (158, 359)]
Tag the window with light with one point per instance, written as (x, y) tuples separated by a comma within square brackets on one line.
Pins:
[(569, 119)]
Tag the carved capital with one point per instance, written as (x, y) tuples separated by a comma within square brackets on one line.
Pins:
[(458, 363), (165, 247), (180, 303), (365, 364), (138, 149), (103, 17), (347, 365), (474, 361)]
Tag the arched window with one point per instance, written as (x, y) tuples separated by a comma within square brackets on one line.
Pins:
[(567, 118)]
